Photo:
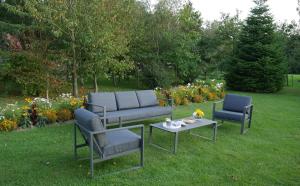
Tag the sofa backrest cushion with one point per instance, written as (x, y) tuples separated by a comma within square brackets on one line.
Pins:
[(127, 100), (91, 122), (236, 103), (147, 98), (106, 99)]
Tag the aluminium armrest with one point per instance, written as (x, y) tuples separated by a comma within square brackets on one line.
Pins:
[(215, 104), (93, 104), (248, 108), (109, 130)]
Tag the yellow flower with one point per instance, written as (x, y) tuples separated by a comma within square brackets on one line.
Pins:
[(28, 100), (73, 102), (199, 113), (25, 107)]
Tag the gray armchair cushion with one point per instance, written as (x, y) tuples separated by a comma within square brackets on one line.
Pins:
[(147, 98), (228, 115), (91, 122), (106, 99), (121, 141), (136, 114), (236, 103), (127, 100)]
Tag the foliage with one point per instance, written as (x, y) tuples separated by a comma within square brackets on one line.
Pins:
[(64, 115), (50, 115), (7, 125), (258, 64), (41, 111), (197, 92)]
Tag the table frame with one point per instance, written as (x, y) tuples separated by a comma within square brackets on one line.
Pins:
[(176, 132)]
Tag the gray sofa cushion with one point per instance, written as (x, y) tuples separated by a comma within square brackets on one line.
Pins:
[(147, 98), (139, 113), (228, 115), (91, 122), (127, 100), (236, 103), (106, 99), (121, 141)]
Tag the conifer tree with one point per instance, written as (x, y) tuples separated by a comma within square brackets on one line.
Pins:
[(258, 63)]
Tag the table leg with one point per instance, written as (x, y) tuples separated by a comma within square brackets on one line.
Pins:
[(175, 142)]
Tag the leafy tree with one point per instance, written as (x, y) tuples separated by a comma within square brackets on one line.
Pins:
[(216, 44), (258, 64)]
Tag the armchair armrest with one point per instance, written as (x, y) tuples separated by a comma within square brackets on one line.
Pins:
[(215, 104), (104, 112), (248, 109), (109, 130)]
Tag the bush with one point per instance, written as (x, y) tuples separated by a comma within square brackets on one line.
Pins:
[(197, 99), (50, 114), (8, 125), (197, 92), (64, 115)]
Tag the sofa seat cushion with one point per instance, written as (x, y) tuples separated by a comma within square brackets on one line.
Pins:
[(106, 99), (147, 98), (121, 141), (91, 122), (228, 115), (127, 100), (135, 114), (236, 103)]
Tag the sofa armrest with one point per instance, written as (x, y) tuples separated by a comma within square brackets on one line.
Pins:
[(215, 104)]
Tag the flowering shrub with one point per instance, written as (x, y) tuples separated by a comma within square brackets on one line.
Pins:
[(51, 115), (38, 112), (7, 125), (197, 92), (64, 115)]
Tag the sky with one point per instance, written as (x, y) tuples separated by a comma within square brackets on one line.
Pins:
[(282, 10)]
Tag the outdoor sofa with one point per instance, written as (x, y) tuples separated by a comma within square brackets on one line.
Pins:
[(127, 106), (106, 143), (235, 108)]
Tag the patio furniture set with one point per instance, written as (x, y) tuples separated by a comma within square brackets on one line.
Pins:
[(117, 108)]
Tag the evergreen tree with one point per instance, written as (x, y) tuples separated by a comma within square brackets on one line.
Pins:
[(258, 63)]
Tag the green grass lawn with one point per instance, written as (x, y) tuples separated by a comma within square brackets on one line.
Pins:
[(268, 154)]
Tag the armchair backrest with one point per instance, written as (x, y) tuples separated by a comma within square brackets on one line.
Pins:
[(236, 103), (91, 122)]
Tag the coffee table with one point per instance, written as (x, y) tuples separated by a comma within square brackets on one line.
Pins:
[(198, 123)]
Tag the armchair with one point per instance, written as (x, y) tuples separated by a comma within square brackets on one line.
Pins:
[(235, 108), (105, 144)]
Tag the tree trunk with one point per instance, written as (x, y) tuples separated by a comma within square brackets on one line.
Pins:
[(47, 87), (74, 67), (114, 79), (95, 83)]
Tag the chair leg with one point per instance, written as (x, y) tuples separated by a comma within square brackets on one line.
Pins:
[(75, 142), (142, 148), (242, 127), (249, 123), (91, 156)]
